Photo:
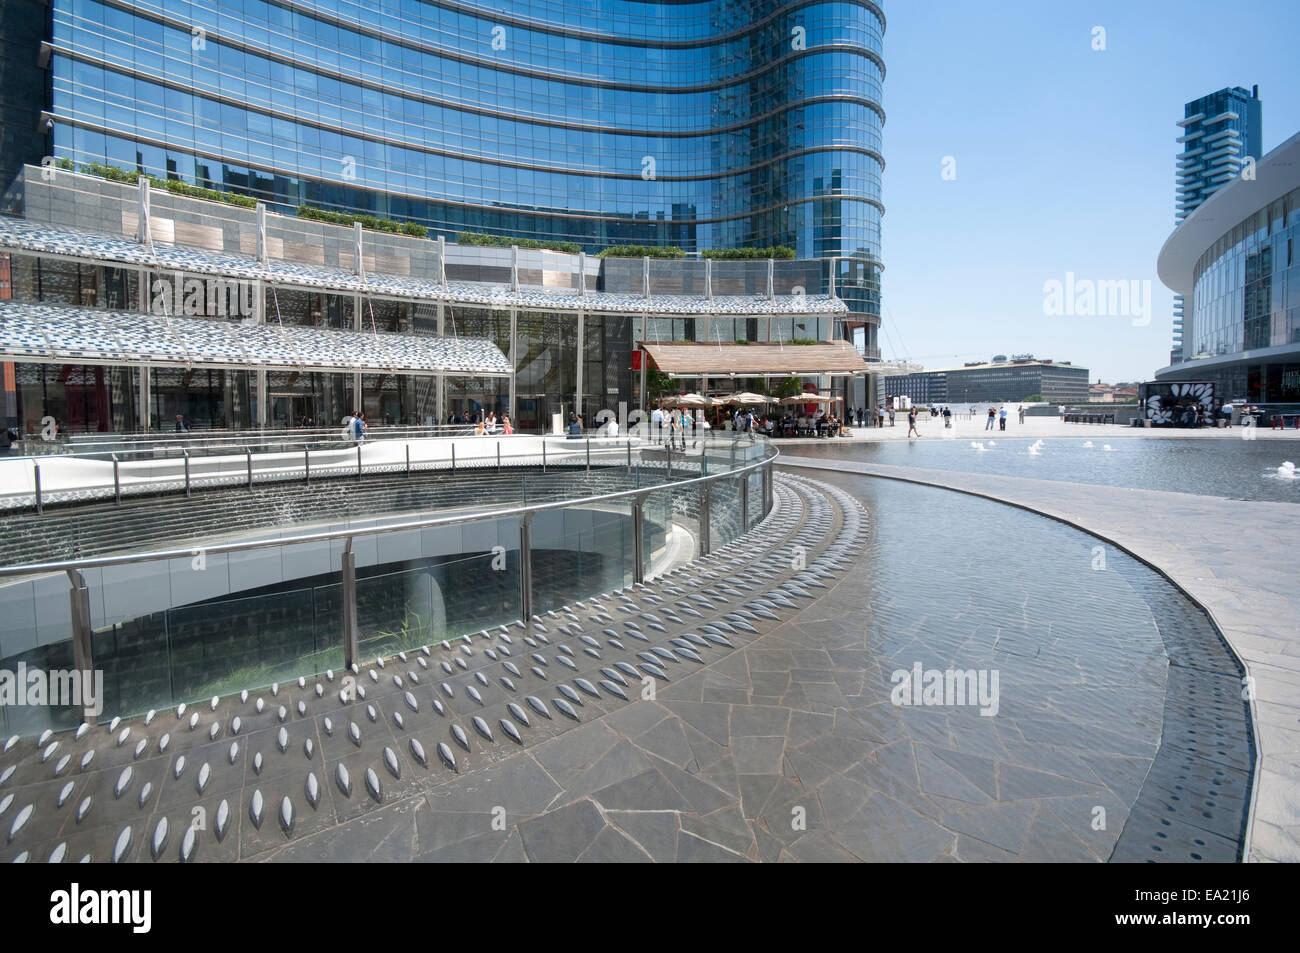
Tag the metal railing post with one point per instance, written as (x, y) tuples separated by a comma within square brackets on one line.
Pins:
[(767, 489), (498, 456), (543, 453), (349, 587), (638, 540), (744, 503), (306, 464), (83, 658), (629, 454), (704, 520), (117, 481), (732, 464), (187, 472), (408, 459), (36, 471), (453, 459), (358, 463), (588, 454), (525, 567), (248, 464)]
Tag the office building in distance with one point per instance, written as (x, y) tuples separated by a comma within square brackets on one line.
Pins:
[(1001, 379)]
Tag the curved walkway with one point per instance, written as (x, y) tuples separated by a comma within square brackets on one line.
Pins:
[(771, 733), (1235, 558)]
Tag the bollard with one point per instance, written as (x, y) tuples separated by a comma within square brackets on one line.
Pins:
[(36, 469), (117, 481)]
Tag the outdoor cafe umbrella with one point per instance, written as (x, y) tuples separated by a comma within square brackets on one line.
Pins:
[(692, 400), (746, 397), (805, 399)]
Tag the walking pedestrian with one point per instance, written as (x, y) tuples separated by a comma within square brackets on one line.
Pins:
[(992, 415), (911, 423), (947, 418), (1002, 419), (1021, 410), (891, 416)]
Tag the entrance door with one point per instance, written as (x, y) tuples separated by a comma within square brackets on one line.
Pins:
[(293, 410)]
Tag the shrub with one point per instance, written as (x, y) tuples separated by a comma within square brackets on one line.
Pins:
[(175, 186), (505, 241), (725, 254), (642, 251), (372, 222)]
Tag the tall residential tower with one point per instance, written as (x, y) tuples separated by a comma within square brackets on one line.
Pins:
[(1220, 131)]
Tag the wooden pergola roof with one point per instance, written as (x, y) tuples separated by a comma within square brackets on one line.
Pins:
[(691, 359)]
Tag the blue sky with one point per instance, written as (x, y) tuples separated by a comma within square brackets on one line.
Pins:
[(1064, 161)]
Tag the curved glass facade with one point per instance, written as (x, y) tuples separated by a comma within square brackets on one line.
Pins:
[(712, 124), (1247, 285)]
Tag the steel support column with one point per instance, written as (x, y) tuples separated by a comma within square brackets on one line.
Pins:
[(638, 539), (83, 657), (349, 588), (526, 567)]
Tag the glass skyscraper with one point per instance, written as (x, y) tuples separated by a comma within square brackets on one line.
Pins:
[(712, 124), (1220, 131)]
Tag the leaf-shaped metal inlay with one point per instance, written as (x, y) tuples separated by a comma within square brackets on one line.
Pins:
[(255, 807), (223, 819), (445, 753), (159, 837), (123, 845)]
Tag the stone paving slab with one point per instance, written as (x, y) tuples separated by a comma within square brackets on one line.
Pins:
[(1236, 558), (736, 710)]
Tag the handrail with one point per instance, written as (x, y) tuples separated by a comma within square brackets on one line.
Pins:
[(98, 562)]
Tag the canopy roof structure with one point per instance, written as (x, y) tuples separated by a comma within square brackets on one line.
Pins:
[(40, 333), (691, 359), (20, 235)]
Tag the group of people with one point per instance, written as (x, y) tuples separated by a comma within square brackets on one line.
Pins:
[(672, 426), (868, 417), (354, 427)]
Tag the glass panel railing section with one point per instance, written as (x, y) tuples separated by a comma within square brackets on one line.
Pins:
[(755, 511), (25, 713), (404, 605), (578, 551), (724, 513)]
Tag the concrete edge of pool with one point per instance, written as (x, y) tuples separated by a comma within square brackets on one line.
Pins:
[(1279, 846)]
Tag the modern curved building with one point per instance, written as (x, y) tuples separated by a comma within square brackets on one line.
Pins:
[(1236, 261), (714, 124)]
